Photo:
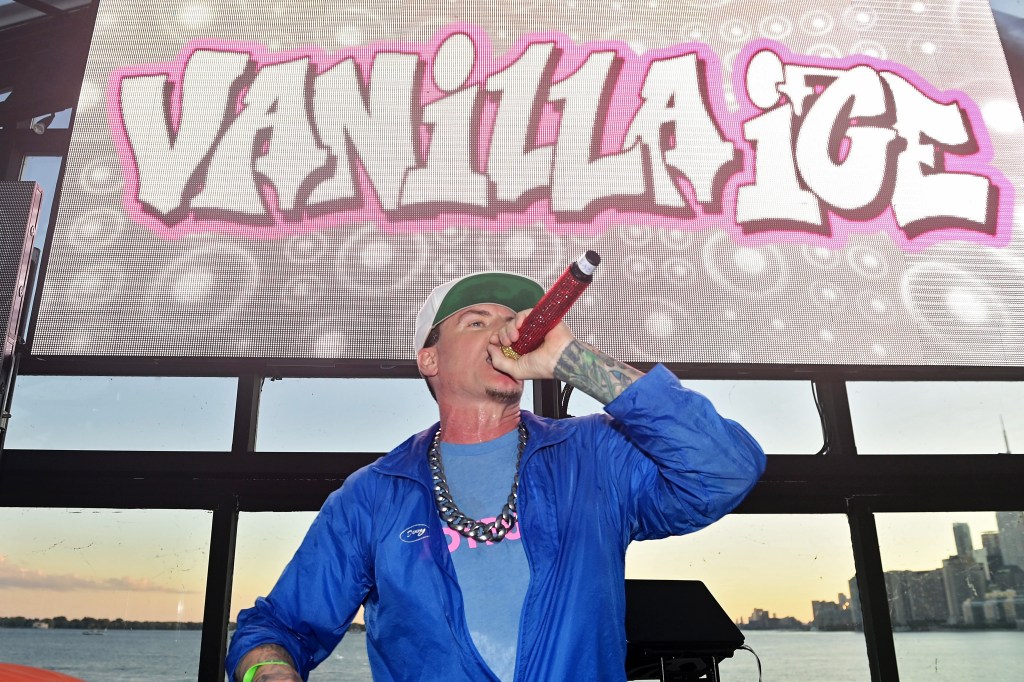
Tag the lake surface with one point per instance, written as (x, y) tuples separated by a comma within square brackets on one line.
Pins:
[(139, 656)]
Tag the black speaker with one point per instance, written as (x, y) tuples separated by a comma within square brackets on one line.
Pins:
[(676, 631)]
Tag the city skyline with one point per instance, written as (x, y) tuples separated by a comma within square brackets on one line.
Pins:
[(985, 577)]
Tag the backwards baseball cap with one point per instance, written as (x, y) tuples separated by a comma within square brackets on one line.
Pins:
[(503, 288)]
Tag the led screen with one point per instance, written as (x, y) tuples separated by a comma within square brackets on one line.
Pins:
[(767, 182)]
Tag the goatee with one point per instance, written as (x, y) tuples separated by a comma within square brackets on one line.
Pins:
[(511, 397)]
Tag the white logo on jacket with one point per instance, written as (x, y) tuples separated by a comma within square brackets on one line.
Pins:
[(414, 533)]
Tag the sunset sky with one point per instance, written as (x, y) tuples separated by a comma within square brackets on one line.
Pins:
[(151, 564)]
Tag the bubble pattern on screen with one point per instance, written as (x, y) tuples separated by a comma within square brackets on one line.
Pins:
[(351, 290)]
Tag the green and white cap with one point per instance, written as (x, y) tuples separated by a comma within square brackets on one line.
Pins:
[(502, 288)]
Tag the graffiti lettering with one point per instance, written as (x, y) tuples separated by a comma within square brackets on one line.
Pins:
[(571, 136), (851, 142)]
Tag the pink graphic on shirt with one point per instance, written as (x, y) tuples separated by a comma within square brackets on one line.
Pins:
[(234, 138)]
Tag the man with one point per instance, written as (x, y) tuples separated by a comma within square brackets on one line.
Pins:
[(455, 589)]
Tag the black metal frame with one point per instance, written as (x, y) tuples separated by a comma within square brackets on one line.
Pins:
[(838, 481), (405, 368)]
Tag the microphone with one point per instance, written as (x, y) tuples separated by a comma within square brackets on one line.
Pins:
[(554, 305)]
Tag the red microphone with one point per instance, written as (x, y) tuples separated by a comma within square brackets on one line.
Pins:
[(554, 305)]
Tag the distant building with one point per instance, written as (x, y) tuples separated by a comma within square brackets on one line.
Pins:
[(832, 615), (980, 557), (964, 580), (1001, 609), (40, 625), (1011, 537), (990, 543), (855, 613), (761, 620), (962, 537), (1007, 578), (917, 599)]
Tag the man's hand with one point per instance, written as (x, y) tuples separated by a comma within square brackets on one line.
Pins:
[(537, 364), (565, 358), (268, 673)]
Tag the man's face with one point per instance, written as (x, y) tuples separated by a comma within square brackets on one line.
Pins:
[(459, 365)]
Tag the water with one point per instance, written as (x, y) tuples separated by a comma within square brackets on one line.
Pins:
[(842, 657), (141, 655)]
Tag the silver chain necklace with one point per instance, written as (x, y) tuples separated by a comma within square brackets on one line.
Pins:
[(496, 530)]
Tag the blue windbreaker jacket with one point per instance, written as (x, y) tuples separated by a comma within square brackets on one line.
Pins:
[(661, 462)]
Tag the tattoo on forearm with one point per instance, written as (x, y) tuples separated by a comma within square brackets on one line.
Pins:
[(593, 372)]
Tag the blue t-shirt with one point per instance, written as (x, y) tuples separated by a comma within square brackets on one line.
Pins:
[(493, 576)]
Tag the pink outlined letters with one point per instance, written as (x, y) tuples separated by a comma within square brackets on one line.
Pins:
[(234, 138)]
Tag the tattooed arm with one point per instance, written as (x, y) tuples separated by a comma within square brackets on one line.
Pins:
[(268, 673), (596, 374)]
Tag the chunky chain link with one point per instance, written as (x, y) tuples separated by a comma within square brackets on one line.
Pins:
[(496, 530)]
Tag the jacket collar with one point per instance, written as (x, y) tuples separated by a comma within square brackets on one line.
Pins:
[(410, 458)]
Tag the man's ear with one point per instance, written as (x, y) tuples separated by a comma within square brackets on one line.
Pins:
[(426, 361)]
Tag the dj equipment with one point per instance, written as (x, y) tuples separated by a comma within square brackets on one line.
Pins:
[(676, 631)]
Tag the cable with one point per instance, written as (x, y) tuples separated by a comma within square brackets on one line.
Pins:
[(826, 439), (563, 402), (756, 658)]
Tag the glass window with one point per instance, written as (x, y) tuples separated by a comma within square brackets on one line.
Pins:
[(781, 415), (777, 576), (265, 544), (122, 413), (134, 578), (953, 581), (345, 415), (931, 417)]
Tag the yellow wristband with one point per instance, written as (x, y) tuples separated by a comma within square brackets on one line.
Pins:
[(251, 672)]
